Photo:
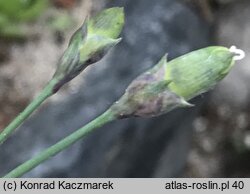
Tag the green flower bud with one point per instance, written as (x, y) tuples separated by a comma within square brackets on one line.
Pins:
[(169, 84), (199, 71), (89, 44)]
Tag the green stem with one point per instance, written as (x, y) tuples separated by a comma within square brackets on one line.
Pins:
[(46, 92), (106, 117)]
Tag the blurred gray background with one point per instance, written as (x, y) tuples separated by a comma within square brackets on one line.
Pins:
[(210, 140)]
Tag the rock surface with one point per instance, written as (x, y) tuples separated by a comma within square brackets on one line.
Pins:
[(155, 147)]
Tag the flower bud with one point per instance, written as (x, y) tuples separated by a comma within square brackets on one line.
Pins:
[(169, 85), (89, 44), (198, 71)]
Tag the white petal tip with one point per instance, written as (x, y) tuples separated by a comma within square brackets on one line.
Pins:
[(239, 54)]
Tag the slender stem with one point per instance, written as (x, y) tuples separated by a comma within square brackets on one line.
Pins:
[(106, 117), (46, 92)]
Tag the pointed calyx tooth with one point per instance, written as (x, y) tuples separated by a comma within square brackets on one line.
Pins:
[(239, 54), (89, 44), (161, 65), (184, 103)]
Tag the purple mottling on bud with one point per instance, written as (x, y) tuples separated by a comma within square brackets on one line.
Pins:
[(146, 96)]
